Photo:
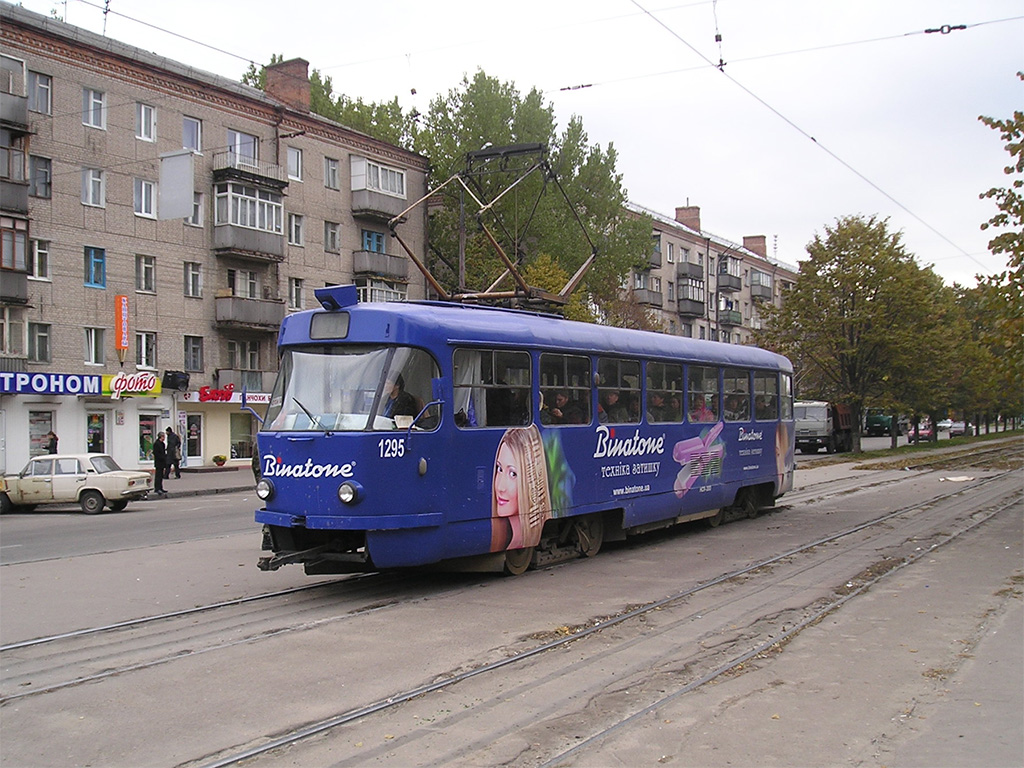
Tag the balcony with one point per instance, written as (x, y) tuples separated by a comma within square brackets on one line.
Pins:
[(730, 317), (230, 166), (252, 244), (250, 381), (654, 259), (13, 287), (14, 111), (370, 204), (648, 297), (686, 270), (763, 292), (10, 364), (385, 265), (727, 282), (252, 314), (690, 308)]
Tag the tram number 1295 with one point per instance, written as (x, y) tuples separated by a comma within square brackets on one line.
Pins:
[(392, 447)]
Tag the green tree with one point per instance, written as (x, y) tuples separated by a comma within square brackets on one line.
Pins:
[(862, 317), (1002, 294)]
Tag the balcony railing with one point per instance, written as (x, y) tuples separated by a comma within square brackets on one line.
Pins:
[(728, 282), (383, 264), (370, 204), (730, 317), (224, 163), (690, 308), (648, 297), (685, 269), (256, 314), (252, 244), (758, 291), (13, 287)]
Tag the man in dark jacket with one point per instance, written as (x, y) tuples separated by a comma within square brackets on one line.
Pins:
[(173, 454), (159, 464)]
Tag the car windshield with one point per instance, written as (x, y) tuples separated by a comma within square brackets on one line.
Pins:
[(104, 464), (337, 388), (810, 412)]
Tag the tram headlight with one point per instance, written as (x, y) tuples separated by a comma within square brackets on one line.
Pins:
[(264, 489), (350, 492)]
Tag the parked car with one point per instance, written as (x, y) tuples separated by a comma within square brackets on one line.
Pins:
[(959, 429), (93, 480), (923, 432), (944, 425)]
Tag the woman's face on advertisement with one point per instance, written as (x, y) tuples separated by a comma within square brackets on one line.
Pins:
[(506, 482)]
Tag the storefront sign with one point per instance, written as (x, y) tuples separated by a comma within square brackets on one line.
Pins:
[(139, 383), (226, 395)]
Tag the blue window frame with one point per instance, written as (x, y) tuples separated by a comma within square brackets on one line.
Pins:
[(374, 241), (95, 267)]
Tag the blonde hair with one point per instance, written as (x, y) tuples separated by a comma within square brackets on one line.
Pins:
[(534, 497)]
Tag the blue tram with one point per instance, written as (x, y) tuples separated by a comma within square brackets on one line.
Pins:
[(408, 434)]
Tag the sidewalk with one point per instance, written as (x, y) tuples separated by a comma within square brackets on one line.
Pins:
[(208, 480)]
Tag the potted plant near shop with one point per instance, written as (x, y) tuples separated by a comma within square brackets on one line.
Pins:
[(219, 459)]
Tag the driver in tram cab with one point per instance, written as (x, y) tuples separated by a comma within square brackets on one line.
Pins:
[(399, 402), (520, 498)]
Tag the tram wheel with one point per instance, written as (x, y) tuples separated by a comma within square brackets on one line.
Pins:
[(589, 533), (749, 505), (517, 561), (716, 519)]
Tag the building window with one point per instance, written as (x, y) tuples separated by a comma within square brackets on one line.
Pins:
[(13, 244), (374, 241), (93, 188), (684, 255), (193, 279), (145, 198), (247, 206), (295, 223), (692, 289), (145, 122), (295, 163), (11, 332), (244, 283), (373, 289), (641, 280), (196, 219), (145, 273), (94, 110), (40, 92), (39, 342), (192, 133), (145, 349), (332, 237), (671, 291), (243, 146), (244, 355), (12, 156), (40, 177), (331, 173), (194, 353), (94, 346), (95, 267), (40, 267), (671, 256), (761, 278), (295, 293), (367, 174)]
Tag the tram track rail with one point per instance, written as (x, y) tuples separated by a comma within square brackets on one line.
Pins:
[(812, 615)]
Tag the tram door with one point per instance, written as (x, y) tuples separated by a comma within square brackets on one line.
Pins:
[(194, 439)]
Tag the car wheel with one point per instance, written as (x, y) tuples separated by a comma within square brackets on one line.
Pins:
[(117, 506), (92, 502), (5, 504)]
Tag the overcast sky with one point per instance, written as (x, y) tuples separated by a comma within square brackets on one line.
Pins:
[(823, 108)]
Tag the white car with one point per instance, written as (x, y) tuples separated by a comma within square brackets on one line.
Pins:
[(93, 480)]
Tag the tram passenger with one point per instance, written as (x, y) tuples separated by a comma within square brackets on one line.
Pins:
[(520, 499), (656, 408), (399, 402), (564, 411), (610, 410), (699, 410)]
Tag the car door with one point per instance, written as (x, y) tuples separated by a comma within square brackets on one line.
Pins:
[(37, 483), (68, 478)]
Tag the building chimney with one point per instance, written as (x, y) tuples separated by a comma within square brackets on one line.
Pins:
[(689, 216), (288, 82), (757, 244)]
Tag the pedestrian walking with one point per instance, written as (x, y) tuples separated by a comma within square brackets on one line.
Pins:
[(159, 464), (51, 442), (173, 455)]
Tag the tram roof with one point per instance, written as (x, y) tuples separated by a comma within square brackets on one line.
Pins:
[(431, 324)]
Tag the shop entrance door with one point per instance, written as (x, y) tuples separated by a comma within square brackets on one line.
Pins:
[(194, 439)]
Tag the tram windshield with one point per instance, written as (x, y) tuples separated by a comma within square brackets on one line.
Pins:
[(338, 388)]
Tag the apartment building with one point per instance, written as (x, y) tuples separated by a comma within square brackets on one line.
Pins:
[(704, 286), (158, 222)]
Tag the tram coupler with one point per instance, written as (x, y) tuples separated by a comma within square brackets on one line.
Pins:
[(273, 562)]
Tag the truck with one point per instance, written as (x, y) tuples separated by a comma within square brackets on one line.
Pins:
[(822, 424), (877, 423)]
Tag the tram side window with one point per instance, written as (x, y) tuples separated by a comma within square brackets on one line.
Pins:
[(618, 391), (737, 394), (766, 396), (702, 390), (786, 395), (492, 388), (565, 389), (664, 393)]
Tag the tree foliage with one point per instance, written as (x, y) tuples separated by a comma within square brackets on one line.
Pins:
[(862, 319)]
